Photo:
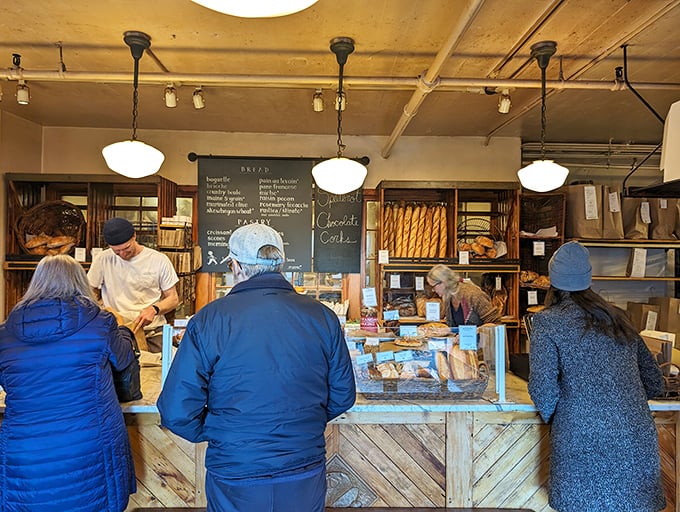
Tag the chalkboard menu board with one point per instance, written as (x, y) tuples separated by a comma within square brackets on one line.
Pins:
[(233, 192), (337, 232)]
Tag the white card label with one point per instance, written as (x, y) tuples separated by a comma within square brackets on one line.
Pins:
[(403, 355), (365, 359), (590, 200), (663, 203), (499, 283), (81, 254), (645, 213), (614, 203), (532, 297), (467, 337), (438, 344), (369, 298), (432, 312), (391, 314), (408, 330), (539, 248), (381, 357), (395, 280), (383, 256), (650, 324), (464, 258), (420, 283)]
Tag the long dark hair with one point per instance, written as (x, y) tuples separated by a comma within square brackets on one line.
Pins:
[(599, 314)]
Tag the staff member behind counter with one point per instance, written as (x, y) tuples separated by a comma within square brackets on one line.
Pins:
[(464, 303), (137, 282)]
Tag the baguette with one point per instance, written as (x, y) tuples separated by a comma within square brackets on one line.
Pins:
[(443, 369), (58, 241), (427, 233), (408, 213), (434, 237), (399, 234), (387, 231), (442, 232), (413, 232), (37, 241)]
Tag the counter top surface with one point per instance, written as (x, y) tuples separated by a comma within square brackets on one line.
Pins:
[(517, 399)]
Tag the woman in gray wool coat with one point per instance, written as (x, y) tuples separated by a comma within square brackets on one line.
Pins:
[(591, 376)]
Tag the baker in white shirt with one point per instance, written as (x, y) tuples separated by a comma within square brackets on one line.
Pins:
[(137, 282)]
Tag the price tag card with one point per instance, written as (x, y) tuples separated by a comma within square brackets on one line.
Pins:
[(368, 297), (391, 314), (372, 341), (464, 258), (351, 345), (365, 359), (420, 283), (403, 355), (499, 283), (467, 337), (532, 297), (81, 254), (408, 330), (663, 203), (539, 248), (383, 256), (432, 313), (381, 357), (395, 280), (438, 344)]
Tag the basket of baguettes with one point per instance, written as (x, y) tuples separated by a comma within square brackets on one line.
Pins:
[(420, 368), (415, 230), (50, 227)]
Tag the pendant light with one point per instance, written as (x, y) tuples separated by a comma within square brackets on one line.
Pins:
[(133, 158), (340, 175), (543, 175), (256, 8)]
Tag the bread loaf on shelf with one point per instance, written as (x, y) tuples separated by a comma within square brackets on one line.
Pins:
[(443, 232)]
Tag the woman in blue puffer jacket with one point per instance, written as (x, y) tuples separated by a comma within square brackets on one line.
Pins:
[(63, 442)]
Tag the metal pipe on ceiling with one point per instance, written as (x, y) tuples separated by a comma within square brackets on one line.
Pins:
[(429, 80), (476, 85)]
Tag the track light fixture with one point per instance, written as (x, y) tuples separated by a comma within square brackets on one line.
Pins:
[(340, 101), (340, 175), (317, 101), (198, 99), (23, 93), (504, 102), (543, 175), (133, 158), (170, 96)]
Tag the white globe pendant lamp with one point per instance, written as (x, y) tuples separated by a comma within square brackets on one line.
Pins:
[(256, 8), (543, 175), (340, 175), (133, 158)]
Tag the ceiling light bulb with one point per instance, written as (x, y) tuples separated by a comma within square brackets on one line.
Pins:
[(170, 96), (339, 175), (256, 8), (23, 93), (340, 101), (542, 176), (317, 101), (199, 101), (504, 102)]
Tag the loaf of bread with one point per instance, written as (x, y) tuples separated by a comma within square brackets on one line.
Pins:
[(427, 232), (413, 233), (434, 236), (478, 249), (387, 227), (399, 235), (484, 241), (58, 241), (443, 232), (37, 241), (442, 363), (463, 363)]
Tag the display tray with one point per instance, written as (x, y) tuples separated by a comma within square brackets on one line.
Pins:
[(420, 389)]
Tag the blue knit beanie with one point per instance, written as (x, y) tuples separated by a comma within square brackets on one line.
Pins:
[(570, 268)]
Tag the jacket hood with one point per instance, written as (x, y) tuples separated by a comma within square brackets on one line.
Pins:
[(50, 319)]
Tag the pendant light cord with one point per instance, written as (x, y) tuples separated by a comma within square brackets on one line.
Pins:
[(341, 146), (135, 98), (543, 112)]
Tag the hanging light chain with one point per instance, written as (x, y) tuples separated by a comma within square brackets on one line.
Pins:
[(135, 99), (341, 146), (543, 113)]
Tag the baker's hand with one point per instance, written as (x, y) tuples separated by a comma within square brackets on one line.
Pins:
[(145, 317)]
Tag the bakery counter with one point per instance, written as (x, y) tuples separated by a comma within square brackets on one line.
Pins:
[(397, 453)]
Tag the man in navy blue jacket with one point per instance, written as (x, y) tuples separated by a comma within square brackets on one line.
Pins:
[(258, 375)]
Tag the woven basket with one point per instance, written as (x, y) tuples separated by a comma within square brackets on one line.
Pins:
[(49, 220)]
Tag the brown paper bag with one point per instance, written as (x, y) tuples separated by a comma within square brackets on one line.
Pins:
[(584, 211), (634, 228), (612, 220), (663, 213)]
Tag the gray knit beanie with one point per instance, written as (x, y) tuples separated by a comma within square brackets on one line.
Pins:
[(570, 268)]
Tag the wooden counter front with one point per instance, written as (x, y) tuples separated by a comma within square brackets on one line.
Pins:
[(472, 453)]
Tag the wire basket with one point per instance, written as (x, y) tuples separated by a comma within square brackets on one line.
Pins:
[(50, 227), (472, 230)]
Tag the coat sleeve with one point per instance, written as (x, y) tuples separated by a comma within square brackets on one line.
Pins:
[(544, 369), (120, 343), (184, 397), (341, 386), (650, 373)]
